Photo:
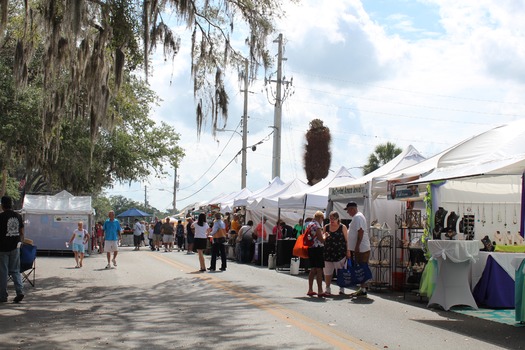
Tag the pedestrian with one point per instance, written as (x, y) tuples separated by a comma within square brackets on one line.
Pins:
[(11, 238), (157, 240), (335, 238), (112, 235), (144, 231), (78, 243), (315, 254), (245, 242), (201, 229), (137, 234), (190, 234), (167, 230), (236, 223), (358, 242), (287, 231), (277, 230), (99, 232), (298, 228), (261, 236), (218, 232), (180, 235), (151, 236)]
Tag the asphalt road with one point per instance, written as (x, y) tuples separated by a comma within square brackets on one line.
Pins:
[(157, 300)]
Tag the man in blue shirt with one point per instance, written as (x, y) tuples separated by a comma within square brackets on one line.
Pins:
[(112, 235)]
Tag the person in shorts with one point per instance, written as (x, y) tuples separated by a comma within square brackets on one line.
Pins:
[(78, 243), (316, 254), (112, 235), (167, 230)]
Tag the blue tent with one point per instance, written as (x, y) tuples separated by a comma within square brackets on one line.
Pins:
[(133, 212)]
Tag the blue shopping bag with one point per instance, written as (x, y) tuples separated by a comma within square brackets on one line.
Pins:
[(353, 274)]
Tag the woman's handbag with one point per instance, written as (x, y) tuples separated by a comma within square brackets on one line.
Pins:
[(300, 249), (353, 274)]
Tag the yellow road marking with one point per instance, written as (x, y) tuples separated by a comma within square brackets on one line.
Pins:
[(294, 318)]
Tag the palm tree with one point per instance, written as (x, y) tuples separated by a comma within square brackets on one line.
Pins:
[(383, 153)]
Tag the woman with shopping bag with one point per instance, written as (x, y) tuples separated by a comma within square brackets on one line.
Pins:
[(315, 254), (335, 237)]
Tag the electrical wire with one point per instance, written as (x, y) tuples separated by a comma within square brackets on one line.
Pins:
[(215, 161), (266, 138)]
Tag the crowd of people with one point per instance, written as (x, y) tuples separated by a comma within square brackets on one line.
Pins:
[(332, 242)]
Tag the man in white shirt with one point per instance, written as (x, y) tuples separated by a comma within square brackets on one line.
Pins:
[(358, 242)]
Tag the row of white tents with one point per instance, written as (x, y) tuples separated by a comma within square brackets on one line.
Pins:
[(481, 176)]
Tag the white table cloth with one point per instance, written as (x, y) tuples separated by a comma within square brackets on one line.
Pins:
[(454, 259)]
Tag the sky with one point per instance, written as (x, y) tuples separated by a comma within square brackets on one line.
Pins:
[(426, 73)]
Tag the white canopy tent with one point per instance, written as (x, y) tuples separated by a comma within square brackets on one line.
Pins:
[(226, 202), (372, 198), (268, 204), (482, 177), (50, 220), (315, 197), (275, 185)]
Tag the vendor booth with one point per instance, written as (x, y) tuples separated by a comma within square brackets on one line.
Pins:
[(50, 220), (476, 195)]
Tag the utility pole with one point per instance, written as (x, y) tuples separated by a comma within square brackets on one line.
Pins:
[(276, 159), (244, 126), (175, 185), (146, 196)]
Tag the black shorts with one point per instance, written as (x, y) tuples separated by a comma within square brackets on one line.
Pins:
[(137, 240), (200, 243), (316, 257)]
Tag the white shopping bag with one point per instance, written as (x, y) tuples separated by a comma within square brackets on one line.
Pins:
[(272, 260), (294, 266)]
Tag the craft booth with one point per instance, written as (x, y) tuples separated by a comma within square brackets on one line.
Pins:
[(50, 220)]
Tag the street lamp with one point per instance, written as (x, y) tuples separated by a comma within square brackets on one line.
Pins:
[(243, 152)]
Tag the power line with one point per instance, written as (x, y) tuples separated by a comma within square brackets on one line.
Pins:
[(411, 105), (408, 91), (215, 161), (266, 138)]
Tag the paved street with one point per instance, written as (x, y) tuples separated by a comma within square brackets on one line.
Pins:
[(157, 300)]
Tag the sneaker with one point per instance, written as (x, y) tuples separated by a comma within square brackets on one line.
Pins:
[(114, 262), (108, 266), (341, 291), (359, 293), (18, 298)]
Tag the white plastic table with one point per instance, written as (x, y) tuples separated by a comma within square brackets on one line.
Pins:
[(454, 259)]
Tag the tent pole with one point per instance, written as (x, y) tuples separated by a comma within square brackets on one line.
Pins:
[(522, 205)]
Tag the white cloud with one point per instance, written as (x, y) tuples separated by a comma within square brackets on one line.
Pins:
[(366, 80)]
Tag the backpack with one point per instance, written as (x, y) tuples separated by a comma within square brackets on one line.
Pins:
[(180, 230), (309, 235)]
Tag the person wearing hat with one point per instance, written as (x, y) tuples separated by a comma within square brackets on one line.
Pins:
[(358, 243), (11, 236)]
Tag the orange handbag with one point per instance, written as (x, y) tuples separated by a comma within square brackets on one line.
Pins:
[(300, 249)]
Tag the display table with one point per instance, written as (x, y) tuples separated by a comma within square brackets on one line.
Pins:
[(454, 259), (493, 278), (519, 265)]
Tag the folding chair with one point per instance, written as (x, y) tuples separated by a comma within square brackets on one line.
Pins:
[(28, 263)]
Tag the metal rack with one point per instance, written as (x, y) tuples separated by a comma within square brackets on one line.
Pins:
[(380, 262)]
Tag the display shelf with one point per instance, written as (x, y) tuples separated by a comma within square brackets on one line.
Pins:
[(380, 262), (404, 264)]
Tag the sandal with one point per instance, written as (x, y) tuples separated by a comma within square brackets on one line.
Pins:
[(311, 294)]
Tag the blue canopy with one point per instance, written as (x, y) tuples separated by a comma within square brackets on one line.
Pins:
[(133, 212)]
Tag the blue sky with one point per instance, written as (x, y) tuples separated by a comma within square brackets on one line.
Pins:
[(427, 73)]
